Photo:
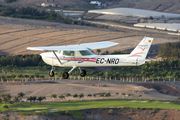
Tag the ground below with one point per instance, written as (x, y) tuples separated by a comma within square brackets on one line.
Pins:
[(100, 114), (163, 88)]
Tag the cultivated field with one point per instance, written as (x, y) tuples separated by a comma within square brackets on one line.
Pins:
[(18, 34)]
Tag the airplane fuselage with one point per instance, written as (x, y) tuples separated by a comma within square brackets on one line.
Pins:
[(90, 60)]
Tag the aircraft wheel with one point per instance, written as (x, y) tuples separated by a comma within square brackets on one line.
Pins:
[(83, 73), (65, 75), (51, 73)]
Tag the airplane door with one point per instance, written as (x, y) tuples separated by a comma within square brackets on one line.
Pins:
[(68, 58), (82, 60)]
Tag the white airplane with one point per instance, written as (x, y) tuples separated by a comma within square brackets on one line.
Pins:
[(80, 56)]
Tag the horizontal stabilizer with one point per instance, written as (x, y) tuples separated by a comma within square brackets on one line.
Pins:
[(85, 46)]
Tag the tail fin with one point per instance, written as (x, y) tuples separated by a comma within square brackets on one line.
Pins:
[(141, 50)]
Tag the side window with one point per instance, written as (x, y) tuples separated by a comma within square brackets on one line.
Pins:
[(85, 52), (68, 53), (59, 51)]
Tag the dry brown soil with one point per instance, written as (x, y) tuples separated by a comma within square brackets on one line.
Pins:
[(86, 87), (14, 39), (163, 88)]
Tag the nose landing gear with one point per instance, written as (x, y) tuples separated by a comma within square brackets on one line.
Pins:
[(51, 73)]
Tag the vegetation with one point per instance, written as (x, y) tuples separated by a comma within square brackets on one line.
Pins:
[(26, 67), (110, 111), (62, 97), (76, 114), (89, 95), (75, 96), (19, 60), (53, 96), (10, 1), (170, 50), (155, 110), (108, 94), (81, 95), (85, 104), (68, 94), (33, 13), (5, 107), (28, 13)]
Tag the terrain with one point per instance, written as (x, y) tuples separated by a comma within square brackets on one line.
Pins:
[(163, 6), (101, 114), (18, 34), (92, 87), (115, 107)]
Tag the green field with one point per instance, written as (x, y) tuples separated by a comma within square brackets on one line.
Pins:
[(103, 103)]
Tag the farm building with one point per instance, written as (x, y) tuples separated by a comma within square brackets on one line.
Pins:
[(48, 4), (96, 3)]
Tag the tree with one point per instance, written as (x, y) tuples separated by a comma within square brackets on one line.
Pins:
[(20, 76), (5, 106), (0, 100), (106, 74), (108, 94), (53, 96), (117, 94), (94, 95), (151, 17), (106, 52), (16, 100), (98, 51), (101, 95), (44, 98), (123, 94), (34, 98), (21, 94), (7, 98), (40, 99), (89, 95), (2, 96), (62, 97), (75, 96), (42, 77), (68, 94), (81, 95), (30, 99), (140, 96), (26, 76)]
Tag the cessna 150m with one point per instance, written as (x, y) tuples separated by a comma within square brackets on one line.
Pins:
[(80, 56)]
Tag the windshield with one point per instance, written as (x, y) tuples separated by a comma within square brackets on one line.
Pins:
[(85, 52), (68, 53)]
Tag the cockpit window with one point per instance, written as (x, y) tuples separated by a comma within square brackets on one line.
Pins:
[(85, 52), (68, 53)]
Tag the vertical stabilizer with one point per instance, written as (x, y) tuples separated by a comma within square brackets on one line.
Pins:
[(141, 50)]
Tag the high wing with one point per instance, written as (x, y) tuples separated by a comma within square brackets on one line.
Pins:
[(85, 46)]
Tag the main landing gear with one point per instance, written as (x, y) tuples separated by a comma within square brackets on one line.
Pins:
[(65, 75)]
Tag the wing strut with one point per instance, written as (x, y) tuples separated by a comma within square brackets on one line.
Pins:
[(57, 57), (72, 69)]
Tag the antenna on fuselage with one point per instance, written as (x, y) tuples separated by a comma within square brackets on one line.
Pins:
[(79, 41)]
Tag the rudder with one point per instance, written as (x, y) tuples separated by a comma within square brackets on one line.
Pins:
[(142, 49)]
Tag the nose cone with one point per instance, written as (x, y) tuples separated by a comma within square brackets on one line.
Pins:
[(46, 54), (46, 57), (42, 54)]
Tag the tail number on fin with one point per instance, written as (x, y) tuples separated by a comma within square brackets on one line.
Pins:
[(107, 61)]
